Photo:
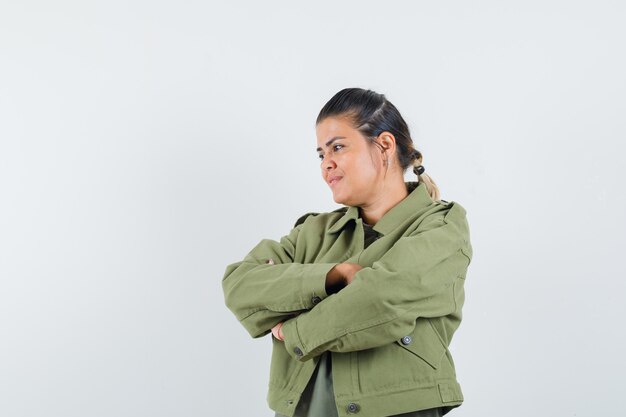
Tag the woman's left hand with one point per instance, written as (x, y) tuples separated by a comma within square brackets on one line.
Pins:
[(277, 331)]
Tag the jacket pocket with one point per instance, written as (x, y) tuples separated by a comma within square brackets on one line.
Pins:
[(424, 343)]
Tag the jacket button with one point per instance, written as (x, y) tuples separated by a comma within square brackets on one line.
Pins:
[(406, 340), (353, 408), (297, 351), (315, 300)]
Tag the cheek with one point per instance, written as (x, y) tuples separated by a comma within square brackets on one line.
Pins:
[(369, 166)]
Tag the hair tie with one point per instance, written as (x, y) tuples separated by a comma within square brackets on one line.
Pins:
[(419, 170)]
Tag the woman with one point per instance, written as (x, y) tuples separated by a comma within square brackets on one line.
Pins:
[(362, 302)]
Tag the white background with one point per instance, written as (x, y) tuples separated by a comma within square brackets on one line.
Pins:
[(145, 145)]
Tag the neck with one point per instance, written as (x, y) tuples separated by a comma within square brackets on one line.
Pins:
[(373, 212)]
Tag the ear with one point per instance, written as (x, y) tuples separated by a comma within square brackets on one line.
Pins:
[(388, 142)]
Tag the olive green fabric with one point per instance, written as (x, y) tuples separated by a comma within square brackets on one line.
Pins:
[(387, 332), (318, 398)]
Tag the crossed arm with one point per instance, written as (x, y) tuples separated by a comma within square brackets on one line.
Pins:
[(420, 276), (340, 276), (268, 287)]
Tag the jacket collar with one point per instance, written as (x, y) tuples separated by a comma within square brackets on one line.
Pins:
[(417, 199)]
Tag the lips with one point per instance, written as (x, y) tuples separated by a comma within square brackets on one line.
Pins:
[(333, 180)]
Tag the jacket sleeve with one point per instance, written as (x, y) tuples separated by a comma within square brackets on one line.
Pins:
[(267, 287), (420, 276)]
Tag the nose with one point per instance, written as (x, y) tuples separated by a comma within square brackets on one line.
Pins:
[(328, 163)]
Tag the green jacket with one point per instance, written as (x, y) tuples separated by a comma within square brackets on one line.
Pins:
[(388, 331)]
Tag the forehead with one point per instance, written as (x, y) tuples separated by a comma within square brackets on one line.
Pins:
[(332, 127)]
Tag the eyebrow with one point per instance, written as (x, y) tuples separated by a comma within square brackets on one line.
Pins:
[(330, 141)]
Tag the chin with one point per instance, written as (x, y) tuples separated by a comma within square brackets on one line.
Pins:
[(338, 199), (342, 200)]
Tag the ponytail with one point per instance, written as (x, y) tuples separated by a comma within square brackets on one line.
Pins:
[(422, 177)]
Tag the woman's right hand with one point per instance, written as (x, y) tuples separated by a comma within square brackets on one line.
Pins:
[(341, 276)]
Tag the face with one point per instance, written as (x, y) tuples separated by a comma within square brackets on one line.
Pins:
[(351, 166)]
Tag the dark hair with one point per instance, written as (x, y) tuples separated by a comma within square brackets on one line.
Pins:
[(372, 114)]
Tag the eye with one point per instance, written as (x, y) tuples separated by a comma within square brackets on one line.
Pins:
[(337, 147), (320, 156)]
